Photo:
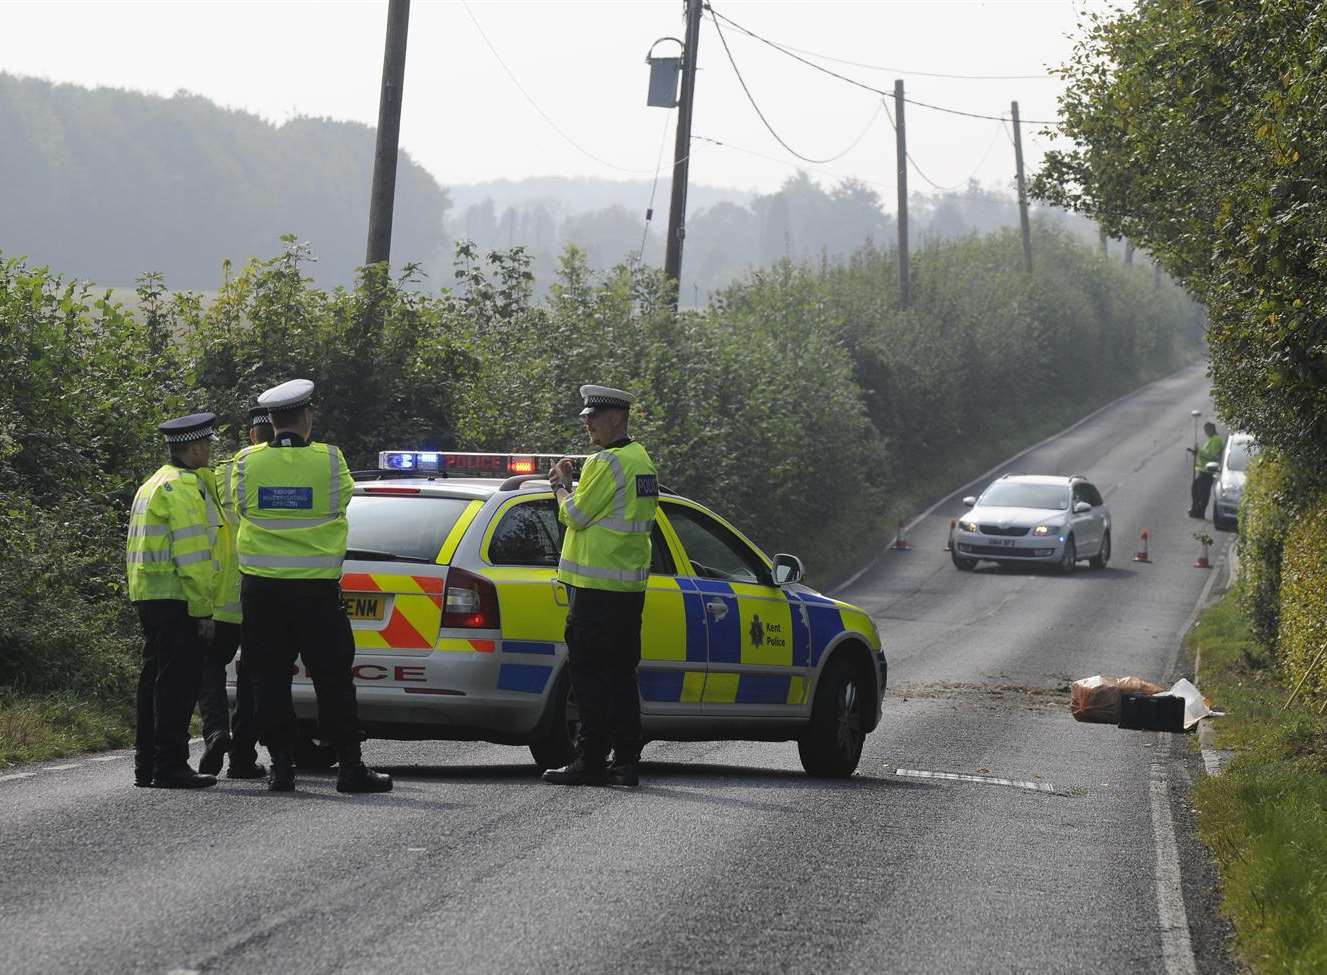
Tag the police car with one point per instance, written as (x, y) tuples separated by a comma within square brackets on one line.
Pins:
[(450, 585)]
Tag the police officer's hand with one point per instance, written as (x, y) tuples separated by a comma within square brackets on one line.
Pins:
[(561, 473), (206, 629)]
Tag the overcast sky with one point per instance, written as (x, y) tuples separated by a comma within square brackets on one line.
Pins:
[(582, 64)]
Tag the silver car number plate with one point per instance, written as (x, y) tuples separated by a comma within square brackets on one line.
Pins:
[(1003, 542)]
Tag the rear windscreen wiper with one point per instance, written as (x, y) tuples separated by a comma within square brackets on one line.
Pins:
[(372, 555)]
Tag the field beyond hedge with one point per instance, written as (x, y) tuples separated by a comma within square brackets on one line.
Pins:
[(802, 401)]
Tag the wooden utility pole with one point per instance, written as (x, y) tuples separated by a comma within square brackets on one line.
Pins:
[(1128, 252), (389, 133), (677, 207), (901, 170), (1101, 234), (1022, 191)]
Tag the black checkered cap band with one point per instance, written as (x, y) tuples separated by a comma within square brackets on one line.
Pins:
[(257, 418), (190, 435), (605, 402)]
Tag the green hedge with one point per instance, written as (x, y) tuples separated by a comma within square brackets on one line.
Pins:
[(803, 403), (1263, 524), (1303, 637)]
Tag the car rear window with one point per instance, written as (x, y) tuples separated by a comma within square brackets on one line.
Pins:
[(402, 527), (1006, 495)]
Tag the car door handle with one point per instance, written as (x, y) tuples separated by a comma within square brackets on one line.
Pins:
[(718, 609), (560, 593)]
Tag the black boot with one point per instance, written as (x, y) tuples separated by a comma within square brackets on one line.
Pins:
[(583, 771), (182, 778), (142, 778), (624, 772), (282, 776), (253, 770), (360, 778), (214, 754)]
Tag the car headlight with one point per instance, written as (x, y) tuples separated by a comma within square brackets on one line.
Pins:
[(1046, 530), (968, 526)]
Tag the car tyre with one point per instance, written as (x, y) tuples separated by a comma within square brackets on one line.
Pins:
[(1099, 560), (1070, 558), (962, 564), (832, 746), (1224, 524), (557, 746)]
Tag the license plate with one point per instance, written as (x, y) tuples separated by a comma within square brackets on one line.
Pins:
[(364, 607), (1001, 542)]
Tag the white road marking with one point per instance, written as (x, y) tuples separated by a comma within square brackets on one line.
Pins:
[(183, 971), (416, 849), (107, 758), (1211, 762), (16, 775), (1176, 949), (60, 768), (984, 779)]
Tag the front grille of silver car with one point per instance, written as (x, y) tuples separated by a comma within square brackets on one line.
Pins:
[(1010, 530)]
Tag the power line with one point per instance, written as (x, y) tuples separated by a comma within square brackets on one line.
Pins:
[(915, 168), (535, 105), (853, 81), (649, 209), (921, 74), (778, 138), (785, 162)]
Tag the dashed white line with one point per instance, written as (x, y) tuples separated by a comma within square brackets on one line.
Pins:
[(1176, 949), (60, 768), (416, 849), (16, 775), (984, 779), (107, 758)]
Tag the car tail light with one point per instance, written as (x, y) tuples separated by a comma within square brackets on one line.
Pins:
[(470, 602)]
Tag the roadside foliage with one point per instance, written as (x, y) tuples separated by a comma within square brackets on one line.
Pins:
[(1199, 134), (802, 402)]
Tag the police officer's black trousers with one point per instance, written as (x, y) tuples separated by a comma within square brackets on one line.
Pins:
[(213, 705), (1199, 493), (289, 618), (167, 685), (603, 649)]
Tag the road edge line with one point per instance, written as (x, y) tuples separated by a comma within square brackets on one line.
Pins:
[(1176, 947), (1005, 463)]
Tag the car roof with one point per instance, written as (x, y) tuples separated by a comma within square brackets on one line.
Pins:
[(1063, 480)]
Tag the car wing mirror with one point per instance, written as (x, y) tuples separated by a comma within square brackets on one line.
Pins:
[(1081, 507), (970, 501), (788, 569), (1213, 467)]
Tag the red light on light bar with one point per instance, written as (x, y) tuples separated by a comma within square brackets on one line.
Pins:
[(391, 490), (522, 465)]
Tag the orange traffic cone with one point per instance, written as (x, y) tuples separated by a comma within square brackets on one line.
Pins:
[(1202, 562), (949, 539), (900, 543), (1141, 554)]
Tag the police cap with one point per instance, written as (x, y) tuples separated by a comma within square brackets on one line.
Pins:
[(605, 398), (288, 396), (259, 415), (184, 429)]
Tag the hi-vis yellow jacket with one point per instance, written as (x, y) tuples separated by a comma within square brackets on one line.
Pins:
[(292, 507), (609, 520), (168, 552), (226, 593), (1209, 452)]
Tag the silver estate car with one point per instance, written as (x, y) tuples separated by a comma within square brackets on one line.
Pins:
[(1228, 488), (1053, 520)]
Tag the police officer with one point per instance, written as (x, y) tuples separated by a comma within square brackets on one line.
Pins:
[(222, 731), (605, 566), (171, 571), (1201, 489), (291, 495)]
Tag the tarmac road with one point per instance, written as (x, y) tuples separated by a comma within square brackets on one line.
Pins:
[(1070, 849)]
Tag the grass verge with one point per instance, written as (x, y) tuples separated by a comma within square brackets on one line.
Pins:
[(33, 729), (1265, 818)]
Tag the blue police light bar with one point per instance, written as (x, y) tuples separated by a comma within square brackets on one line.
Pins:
[(415, 461), (469, 464)]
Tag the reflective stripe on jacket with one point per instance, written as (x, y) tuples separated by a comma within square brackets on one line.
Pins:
[(609, 519), (226, 595), (168, 550), (292, 507), (1208, 453)]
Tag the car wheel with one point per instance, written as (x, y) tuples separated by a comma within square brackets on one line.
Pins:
[(962, 564), (1101, 558), (1070, 557), (558, 746), (832, 746), (1223, 524), (313, 754)]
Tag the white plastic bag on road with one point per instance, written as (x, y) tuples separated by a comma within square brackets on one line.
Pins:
[(1195, 705)]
